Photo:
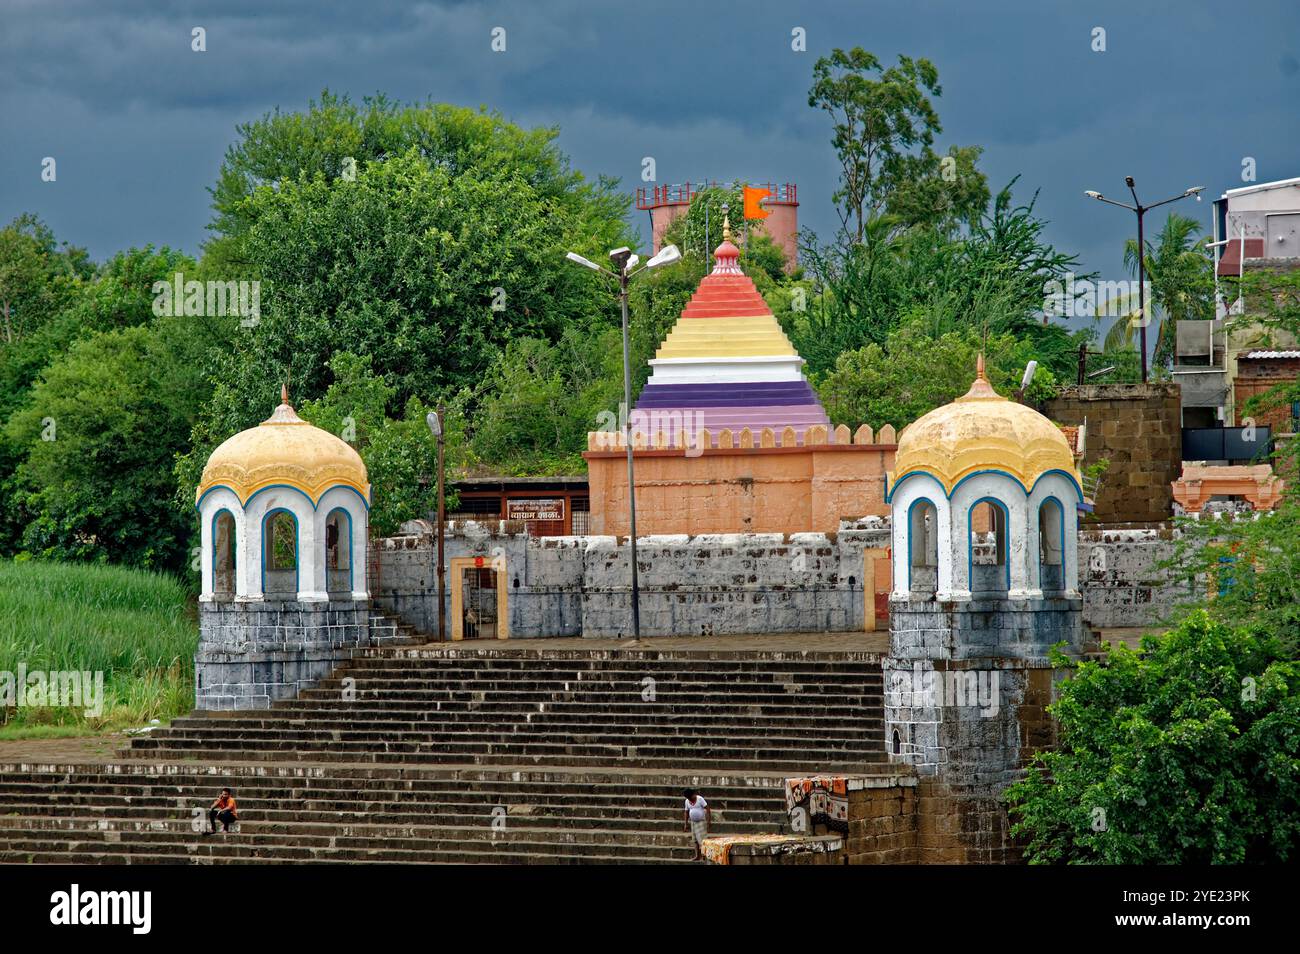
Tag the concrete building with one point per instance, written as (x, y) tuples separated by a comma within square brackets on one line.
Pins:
[(1254, 228), (1222, 364)]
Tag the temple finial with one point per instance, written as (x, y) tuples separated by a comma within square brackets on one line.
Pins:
[(726, 227), (979, 366), (284, 393)]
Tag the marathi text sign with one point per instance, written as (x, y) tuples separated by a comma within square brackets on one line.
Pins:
[(548, 509)]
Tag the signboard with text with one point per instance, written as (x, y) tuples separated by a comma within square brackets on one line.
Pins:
[(540, 509)]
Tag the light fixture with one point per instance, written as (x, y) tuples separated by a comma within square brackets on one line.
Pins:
[(434, 422), (619, 257), (667, 255), (632, 262), (1030, 368), (584, 262), (1090, 194)]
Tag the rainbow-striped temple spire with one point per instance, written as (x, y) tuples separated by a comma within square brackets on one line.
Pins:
[(726, 363)]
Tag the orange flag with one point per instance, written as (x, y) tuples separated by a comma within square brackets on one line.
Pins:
[(752, 199)]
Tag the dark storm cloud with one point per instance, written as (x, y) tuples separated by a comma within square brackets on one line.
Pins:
[(138, 122)]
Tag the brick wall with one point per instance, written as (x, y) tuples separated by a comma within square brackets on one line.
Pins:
[(1257, 376), (1138, 427)]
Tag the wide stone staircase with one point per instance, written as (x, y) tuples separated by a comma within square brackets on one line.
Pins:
[(468, 753)]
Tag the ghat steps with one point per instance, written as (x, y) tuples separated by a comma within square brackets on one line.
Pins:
[(467, 753)]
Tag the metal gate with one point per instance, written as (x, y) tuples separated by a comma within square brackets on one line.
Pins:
[(478, 604)]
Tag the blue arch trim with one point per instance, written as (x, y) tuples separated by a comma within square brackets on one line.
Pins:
[(298, 490), (891, 488), (267, 543), (234, 544), (1005, 542), (919, 500), (327, 550)]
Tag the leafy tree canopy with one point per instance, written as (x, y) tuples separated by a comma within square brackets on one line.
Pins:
[(1186, 752)]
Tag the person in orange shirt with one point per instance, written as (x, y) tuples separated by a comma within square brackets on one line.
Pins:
[(223, 810)]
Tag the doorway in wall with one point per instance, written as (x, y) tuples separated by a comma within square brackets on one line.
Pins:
[(478, 599)]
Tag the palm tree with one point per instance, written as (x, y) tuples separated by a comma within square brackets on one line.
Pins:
[(1182, 286)]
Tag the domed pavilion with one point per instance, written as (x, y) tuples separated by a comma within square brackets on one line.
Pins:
[(284, 516), (984, 495), (284, 510)]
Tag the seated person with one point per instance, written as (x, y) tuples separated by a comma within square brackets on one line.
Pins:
[(223, 810)]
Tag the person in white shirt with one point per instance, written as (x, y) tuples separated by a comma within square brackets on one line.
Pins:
[(696, 817)]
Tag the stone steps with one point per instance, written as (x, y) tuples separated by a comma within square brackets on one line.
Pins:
[(467, 754)]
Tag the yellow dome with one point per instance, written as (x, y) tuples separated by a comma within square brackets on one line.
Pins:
[(982, 431), (284, 450)]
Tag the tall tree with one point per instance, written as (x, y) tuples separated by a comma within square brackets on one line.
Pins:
[(884, 128)]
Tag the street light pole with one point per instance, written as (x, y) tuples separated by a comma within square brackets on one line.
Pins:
[(624, 262), (435, 419), (1142, 210), (627, 439)]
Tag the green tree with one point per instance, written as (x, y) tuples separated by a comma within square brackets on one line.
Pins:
[(914, 372), (428, 272), (1185, 752), (98, 437), (1181, 276), (540, 401), (37, 275), (990, 281), (884, 127), (118, 296), (400, 454), (335, 138)]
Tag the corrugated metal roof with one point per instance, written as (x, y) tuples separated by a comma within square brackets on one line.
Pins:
[(1272, 354)]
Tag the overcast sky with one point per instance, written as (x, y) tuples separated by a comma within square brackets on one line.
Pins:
[(138, 123)]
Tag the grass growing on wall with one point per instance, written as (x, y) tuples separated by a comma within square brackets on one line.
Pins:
[(136, 627)]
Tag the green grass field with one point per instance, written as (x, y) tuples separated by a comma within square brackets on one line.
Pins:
[(136, 627)]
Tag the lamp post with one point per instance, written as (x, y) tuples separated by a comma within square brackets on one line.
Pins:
[(625, 261), (434, 420), (1141, 210)]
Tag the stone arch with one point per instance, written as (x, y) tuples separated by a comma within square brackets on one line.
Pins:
[(988, 561), (354, 506), (1009, 546), (912, 496), (1064, 490)]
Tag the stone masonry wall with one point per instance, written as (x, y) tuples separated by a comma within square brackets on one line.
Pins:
[(1138, 427), (966, 691), (251, 654), (703, 585), (1123, 584), (727, 583)]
